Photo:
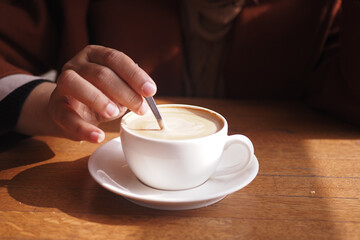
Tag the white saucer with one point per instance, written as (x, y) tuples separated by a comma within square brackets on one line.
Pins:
[(109, 168)]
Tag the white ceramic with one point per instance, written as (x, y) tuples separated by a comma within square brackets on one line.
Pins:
[(181, 164), (109, 168)]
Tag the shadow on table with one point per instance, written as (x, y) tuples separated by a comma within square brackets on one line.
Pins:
[(36, 151), (68, 186)]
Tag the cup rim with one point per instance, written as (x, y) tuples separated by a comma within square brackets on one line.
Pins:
[(123, 126)]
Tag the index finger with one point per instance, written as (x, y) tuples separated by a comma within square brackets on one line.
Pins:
[(124, 67)]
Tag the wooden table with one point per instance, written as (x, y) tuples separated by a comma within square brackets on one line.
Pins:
[(308, 186)]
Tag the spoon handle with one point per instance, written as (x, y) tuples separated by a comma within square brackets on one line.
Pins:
[(155, 111)]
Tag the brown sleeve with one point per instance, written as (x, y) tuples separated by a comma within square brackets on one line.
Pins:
[(27, 37), (7, 68), (335, 81)]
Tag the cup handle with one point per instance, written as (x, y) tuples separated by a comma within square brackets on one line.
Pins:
[(247, 152)]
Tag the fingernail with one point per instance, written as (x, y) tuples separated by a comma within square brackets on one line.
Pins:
[(148, 89), (112, 110), (97, 137), (143, 108)]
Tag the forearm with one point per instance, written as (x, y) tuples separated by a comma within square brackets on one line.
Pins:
[(14, 90)]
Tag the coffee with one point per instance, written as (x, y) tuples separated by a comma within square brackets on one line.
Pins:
[(182, 123)]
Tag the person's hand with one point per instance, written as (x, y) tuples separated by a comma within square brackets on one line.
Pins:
[(98, 84)]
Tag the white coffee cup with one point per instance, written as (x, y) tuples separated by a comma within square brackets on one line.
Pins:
[(177, 164)]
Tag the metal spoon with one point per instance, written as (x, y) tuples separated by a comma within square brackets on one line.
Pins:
[(155, 110)]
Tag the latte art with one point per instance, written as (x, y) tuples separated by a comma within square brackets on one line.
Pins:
[(182, 123)]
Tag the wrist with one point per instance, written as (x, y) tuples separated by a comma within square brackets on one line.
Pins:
[(34, 118)]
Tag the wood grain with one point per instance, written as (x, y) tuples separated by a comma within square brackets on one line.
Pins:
[(308, 186)]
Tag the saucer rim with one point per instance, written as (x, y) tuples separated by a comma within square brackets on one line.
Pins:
[(179, 206), (141, 199)]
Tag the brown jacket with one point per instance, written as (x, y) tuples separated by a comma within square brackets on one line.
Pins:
[(279, 49)]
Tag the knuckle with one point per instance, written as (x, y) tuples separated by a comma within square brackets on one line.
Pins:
[(102, 74), (134, 100), (90, 48), (66, 78), (111, 56), (134, 72), (95, 98), (67, 65), (79, 130)]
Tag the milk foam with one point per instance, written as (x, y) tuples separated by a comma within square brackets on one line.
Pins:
[(182, 123)]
